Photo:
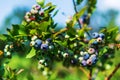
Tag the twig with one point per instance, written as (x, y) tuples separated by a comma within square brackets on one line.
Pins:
[(113, 72), (78, 19), (90, 75), (76, 12), (61, 31), (84, 71)]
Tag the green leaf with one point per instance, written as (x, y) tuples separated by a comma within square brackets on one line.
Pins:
[(40, 2), (81, 32), (103, 50), (55, 13), (113, 29), (2, 37), (48, 4), (31, 53), (44, 26)]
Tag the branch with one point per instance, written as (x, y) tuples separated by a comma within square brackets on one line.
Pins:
[(61, 31), (78, 19), (90, 75), (76, 12), (113, 72), (84, 71)]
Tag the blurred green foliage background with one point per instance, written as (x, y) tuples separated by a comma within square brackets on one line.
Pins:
[(31, 72)]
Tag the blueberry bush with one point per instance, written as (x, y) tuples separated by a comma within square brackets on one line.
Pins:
[(73, 46)]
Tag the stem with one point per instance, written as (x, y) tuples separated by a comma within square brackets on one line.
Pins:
[(90, 75), (113, 72), (84, 71), (76, 12), (78, 19), (61, 31)]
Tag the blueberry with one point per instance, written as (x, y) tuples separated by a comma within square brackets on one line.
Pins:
[(73, 61), (86, 56), (93, 58), (44, 46), (65, 55), (38, 43), (102, 35), (89, 62), (95, 35), (99, 39), (91, 50), (84, 63), (49, 40)]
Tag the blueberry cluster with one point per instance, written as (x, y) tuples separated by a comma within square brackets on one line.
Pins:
[(88, 58), (34, 13), (98, 37), (39, 44), (8, 49)]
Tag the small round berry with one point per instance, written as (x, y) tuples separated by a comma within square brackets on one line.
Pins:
[(37, 7), (41, 13), (32, 43), (38, 43), (75, 44), (41, 61), (102, 35), (44, 46), (81, 53), (34, 11), (49, 40), (93, 58), (7, 46), (91, 50), (95, 35), (73, 61), (34, 38), (67, 36), (80, 59), (86, 56), (28, 20), (99, 39), (84, 63), (32, 18), (51, 47), (8, 53), (28, 14), (89, 62), (65, 55), (26, 17)]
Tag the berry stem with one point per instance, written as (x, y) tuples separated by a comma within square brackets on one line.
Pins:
[(113, 72)]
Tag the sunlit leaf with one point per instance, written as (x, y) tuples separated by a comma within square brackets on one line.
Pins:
[(31, 53)]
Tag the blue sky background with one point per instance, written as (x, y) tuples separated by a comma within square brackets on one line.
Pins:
[(66, 6)]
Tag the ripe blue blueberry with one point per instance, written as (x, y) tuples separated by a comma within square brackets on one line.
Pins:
[(93, 58), (38, 43), (44, 46), (95, 35), (86, 56), (102, 35), (49, 40)]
